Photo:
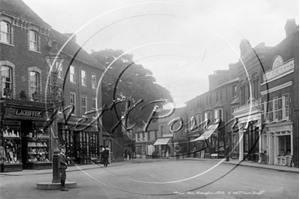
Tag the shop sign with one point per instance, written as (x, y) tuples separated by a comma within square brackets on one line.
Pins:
[(281, 128), (23, 112), (279, 71)]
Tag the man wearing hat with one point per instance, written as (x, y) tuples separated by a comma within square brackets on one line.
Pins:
[(63, 165)]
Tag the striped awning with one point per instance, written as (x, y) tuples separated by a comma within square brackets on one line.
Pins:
[(211, 129)]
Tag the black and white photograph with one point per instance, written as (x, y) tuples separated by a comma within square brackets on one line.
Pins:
[(163, 99)]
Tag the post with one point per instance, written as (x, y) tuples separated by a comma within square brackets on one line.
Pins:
[(54, 140)]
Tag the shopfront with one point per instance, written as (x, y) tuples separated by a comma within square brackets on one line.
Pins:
[(277, 141), (82, 141), (25, 140), (164, 147), (248, 137), (211, 142)]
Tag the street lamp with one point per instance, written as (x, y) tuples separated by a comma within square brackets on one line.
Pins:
[(54, 61)]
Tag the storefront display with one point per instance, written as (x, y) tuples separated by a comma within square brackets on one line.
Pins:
[(38, 149), (12, 160)]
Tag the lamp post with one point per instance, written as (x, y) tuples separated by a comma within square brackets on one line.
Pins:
[(54, 61)]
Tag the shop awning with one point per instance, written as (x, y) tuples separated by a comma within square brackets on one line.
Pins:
[(162, 141), (211, 129)]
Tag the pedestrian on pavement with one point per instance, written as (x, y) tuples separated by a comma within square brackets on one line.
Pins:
[(101, 156), (63, 165), (177, 150), (105, 155), (129, 154), (125, 154)]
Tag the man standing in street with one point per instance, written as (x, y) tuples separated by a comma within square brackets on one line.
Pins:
[(63, 165), (105, 155)]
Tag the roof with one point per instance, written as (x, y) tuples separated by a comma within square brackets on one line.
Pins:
[(19, 9), (220, 104), (236, 100), (72, 49)]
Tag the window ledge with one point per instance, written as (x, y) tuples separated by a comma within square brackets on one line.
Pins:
[(8, 44), (34, 51)]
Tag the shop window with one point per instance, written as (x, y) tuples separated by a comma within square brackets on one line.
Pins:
[(94, 81), (83, 78), (72, 74), (34, 41), (5, 32), (234, 142), (34, 83), (284, 145), (6, 81)]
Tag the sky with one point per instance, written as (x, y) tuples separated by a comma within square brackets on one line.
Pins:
[(180, 41)]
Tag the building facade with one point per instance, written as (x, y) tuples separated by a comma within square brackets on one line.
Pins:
[(277, 98), (32, 93)]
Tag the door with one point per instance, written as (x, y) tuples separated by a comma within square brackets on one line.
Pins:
[(26, 127)]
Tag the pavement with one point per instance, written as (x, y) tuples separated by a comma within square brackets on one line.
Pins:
[(113, 164), (250, 164)]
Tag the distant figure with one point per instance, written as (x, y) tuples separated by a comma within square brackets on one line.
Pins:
[(163, 153), (129, 155), (105, 155), (167, 154), (177, 150), (125, 154)]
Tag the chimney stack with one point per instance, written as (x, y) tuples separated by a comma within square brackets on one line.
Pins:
[(290, 26), (244, 46)]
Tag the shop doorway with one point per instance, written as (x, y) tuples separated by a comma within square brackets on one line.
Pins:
[(26, 127)]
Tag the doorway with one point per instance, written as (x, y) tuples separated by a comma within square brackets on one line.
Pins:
[(26, 126)]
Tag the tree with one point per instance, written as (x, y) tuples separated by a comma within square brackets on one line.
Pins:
[(129, 82)]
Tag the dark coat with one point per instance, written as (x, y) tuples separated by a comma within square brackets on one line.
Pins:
[(105, 153), (62, 161)]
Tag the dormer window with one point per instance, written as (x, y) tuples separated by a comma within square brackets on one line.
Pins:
[(5, 32)]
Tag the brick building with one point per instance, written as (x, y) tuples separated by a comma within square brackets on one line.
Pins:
[(217, 103), (279, 98), (28, 88)]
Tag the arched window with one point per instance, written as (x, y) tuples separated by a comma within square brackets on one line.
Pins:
[(6, 81), (5, 32)]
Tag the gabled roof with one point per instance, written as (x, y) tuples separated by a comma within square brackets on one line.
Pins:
[(73, 50), (220, 104), (19, 9), (236, 100)]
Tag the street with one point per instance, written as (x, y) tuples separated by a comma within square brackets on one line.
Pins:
[(158, 179)]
